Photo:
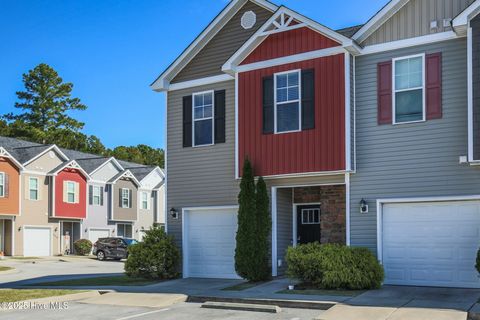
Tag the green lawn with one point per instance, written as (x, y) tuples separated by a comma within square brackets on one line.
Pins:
[(3, 268), (243, 286), (24, 258), (100, 281), (321, 292), (12, 295)]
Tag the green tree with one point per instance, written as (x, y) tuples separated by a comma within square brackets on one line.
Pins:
[(46, 101), (245, 250), (263, 269)]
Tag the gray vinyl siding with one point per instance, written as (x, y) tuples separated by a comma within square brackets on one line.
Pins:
[(199, 176), (284, 224), (413, 20), (410, 160), (475, 24), (209, 61), (125, 214)]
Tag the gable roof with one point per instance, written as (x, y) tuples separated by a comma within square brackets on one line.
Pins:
[(378, 19), (69, 164), (273, 26), (163, 81), (460, 22), (4, 153), (126, 174), (27, 155), (349, 31)]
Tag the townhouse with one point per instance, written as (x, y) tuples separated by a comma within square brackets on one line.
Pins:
[(366, 136), (51, 197)]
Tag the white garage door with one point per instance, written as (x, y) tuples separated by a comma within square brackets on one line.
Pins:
[(210, 236), (37, 241), (95, 234), (431, 244)]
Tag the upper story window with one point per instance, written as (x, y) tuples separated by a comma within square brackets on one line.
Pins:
[(287, 101), (125, 198), (33, 188), (203, 126), (2, 184), (71, 194), (96, 196), (145, 200), (409, 89)]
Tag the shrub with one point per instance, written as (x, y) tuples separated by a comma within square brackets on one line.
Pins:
[(478, 261), (333, 266), (156, 257), (82, 247), (262, 266)]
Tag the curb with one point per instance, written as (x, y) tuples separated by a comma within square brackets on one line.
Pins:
[(300, 304), (474, 312), (241, 307)]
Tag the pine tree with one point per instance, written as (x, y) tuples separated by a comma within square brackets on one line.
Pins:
[(246, 243), (263, 270)]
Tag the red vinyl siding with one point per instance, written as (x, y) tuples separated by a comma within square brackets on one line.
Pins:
[(316, 150), (288, 43), (70, 210)]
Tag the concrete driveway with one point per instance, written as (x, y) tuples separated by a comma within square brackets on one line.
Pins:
[(55, 268)]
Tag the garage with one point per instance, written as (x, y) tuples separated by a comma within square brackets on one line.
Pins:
[(37, 241), (430, 243), (96, 233), (209, 248)]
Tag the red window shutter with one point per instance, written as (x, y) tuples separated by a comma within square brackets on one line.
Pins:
[(433, 75), (384, 92)]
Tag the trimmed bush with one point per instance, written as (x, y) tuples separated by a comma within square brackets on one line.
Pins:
[(333, 266), (82, 247), (478, 261), (263, 270), (156, 257)]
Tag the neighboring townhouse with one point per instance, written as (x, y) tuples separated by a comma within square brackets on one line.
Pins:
[(365, 136), (150, 199)]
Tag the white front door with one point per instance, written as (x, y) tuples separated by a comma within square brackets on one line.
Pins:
[(37, 241), (431, 244), (210, 243), (96, 233)]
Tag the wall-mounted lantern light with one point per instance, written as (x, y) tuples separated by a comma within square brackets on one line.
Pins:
[(174, 213), (363, 206), (19, 228)]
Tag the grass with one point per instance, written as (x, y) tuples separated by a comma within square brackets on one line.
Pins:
[(99, 281), (24, 258), (309, 290), (3, 268), (242, 286), (12, 295)]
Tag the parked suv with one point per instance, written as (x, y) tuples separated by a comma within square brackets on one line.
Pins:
[(114, 248)]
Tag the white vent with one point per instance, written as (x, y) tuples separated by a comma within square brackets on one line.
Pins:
[(249, 19)]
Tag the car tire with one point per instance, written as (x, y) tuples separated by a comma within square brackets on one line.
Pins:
[(101, 256)]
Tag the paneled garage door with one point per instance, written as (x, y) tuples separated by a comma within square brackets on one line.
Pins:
[(37, 241), (210, 243), (431, 244), (95, 234)]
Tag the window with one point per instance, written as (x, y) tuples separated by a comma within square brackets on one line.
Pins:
[(2, 184), (287, 101), (124, 230), (144, 200), (203, 118), (96, 190), (310, 216), (409, 97), (33, 188), (70, 192), (125, 198)]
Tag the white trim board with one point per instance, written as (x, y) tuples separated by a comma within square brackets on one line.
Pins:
[(460, 22), (200, 82)]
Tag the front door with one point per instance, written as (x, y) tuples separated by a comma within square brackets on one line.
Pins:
[(308, 224)]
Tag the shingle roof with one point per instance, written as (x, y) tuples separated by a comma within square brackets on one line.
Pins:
[(350, 31), (128, 165), (90, 164), (141, 172), (7, 142), (23, 154)]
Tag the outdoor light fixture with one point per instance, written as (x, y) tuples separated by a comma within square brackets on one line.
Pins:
[(56, 229), (19, 228), (174, 213), (363, 206)]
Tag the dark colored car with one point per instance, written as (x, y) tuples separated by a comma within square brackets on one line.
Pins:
[(113, 248)]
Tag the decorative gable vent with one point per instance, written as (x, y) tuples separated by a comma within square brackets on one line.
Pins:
[(248, 20), (283, 22)]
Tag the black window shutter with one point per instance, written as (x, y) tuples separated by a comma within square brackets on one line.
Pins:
[(90, 195), (220, 116), (101, 196), (120, 198), (308, 99), (268, 112), (187, 121), (130, 198)]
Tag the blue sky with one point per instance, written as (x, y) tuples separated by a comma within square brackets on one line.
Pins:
[(113, 49)]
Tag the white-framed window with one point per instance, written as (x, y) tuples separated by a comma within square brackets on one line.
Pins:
[(287, 99), (2, 184), (124, 230), (310, 216), (33, 188), (125, 198), (202, 114), (144, 199), (96, 195), (408, 89), (70, 192)]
